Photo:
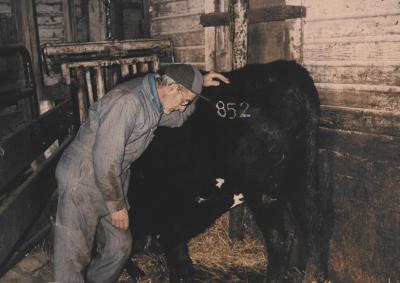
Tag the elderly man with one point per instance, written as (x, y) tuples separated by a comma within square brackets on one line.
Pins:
[(93, 172)]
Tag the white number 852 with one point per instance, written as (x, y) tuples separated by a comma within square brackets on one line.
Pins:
[(231, 110)]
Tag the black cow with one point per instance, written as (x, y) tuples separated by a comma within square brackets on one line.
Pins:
[(259, 134)]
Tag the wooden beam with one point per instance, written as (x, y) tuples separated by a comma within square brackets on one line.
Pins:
[(105, 47), (270, 14)]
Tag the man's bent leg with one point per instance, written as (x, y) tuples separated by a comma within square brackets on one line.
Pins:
[(75, 228), (113, 249)]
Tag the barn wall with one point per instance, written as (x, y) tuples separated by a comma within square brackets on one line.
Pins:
[(352, 49)]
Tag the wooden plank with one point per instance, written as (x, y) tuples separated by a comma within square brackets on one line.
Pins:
[(376, 100), (360, 120), (24, 145), (176, 24), (269, 14), (186, 38), (326, 10), (188, 54), (370, 26), (162, 9), (371, 75), (50, 20), (54, 34), (104, 47), (363, 145), (377, 52), (49, 8), (22, 207)]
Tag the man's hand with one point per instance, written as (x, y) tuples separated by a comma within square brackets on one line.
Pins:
[(120, 219), (212, 79)]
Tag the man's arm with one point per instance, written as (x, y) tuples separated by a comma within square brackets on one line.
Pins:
[(114, 129)]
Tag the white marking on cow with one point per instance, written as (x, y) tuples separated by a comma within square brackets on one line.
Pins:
[(237, 199), (220, 182), (200, 199)]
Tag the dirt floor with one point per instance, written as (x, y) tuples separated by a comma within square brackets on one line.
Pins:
[(216, 259)]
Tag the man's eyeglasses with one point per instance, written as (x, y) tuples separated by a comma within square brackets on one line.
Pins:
[(185, 102)]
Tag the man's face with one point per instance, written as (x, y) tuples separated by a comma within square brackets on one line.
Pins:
[(178, 99)]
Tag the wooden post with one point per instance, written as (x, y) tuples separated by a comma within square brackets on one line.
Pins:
[(218, 45), (239, 54), (239, 34), (97, 20), (27, 28)]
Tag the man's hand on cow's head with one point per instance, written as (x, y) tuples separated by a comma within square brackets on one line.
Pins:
[(120, 219), (213, 79)]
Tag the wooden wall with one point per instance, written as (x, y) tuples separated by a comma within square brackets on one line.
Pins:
[(179, 20), (50, 19), (352, 50)]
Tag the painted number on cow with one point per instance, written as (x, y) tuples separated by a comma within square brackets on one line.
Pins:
[(232, 110)]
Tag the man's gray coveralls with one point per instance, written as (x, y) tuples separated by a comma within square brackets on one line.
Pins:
[(93, 176)]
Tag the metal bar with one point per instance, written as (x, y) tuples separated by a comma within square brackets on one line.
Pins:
[(143, 67), (81, 94), (105, 63), (124, 70), (66, 73), (99, 82), (155, 66), (89, 86), (134, 69), (105, 47)]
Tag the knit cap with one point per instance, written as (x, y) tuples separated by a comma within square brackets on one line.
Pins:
[(186, 75)]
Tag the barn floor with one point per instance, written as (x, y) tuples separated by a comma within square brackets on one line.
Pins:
[(216, 260)]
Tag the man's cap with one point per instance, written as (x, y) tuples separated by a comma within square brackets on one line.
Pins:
[(186, 75)]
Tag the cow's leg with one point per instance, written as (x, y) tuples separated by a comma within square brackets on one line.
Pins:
[(179, 263), (275, 221)]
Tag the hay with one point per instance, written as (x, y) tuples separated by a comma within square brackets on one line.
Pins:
[(226, 261), (216, 258)]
